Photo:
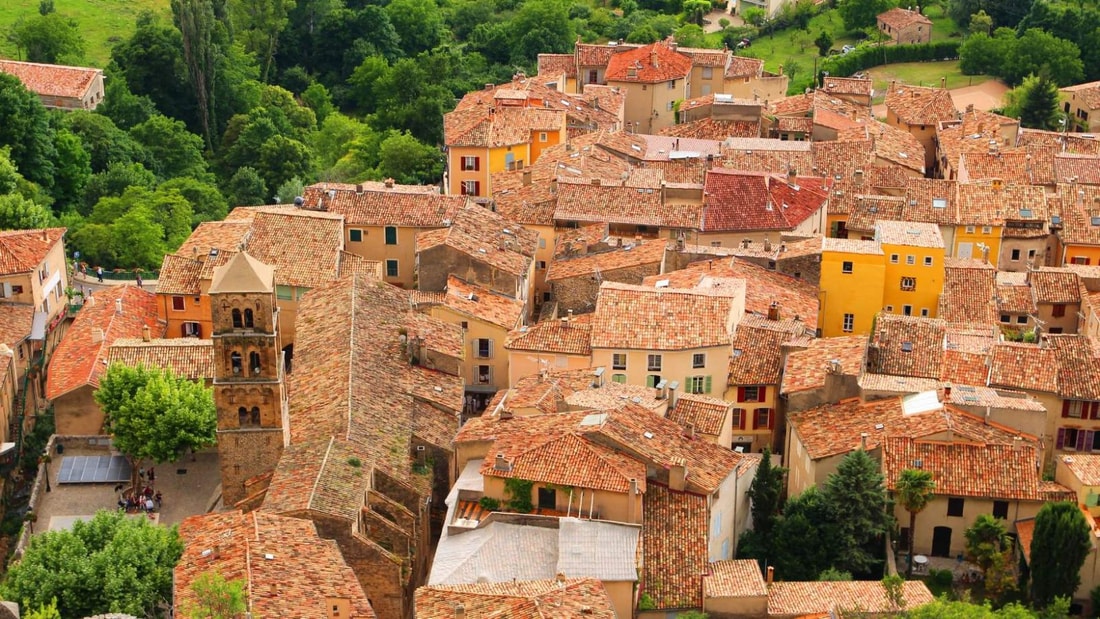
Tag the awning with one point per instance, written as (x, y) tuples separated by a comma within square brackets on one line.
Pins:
[(38, 326)]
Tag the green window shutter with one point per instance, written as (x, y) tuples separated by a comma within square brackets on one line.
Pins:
[(706, 387), (650, 381)]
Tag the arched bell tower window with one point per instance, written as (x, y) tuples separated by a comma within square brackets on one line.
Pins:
[(248, 323), (254, 362), (235, 360), (242, 416), (255, 415), (237, 324)]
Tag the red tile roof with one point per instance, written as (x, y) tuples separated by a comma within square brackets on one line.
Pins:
[(796, 599), (569, 337), (757, 356), (674, 547), (806, 369), (848, 86), (706, 414), (678, 319), (918, 105), (485, 237), (564, 459), (714, 129), (188, 357), (482, 304), (412, 206), (1054, 285), (1088, 92), (907, 346), (1029, 367), (754, 201), (21, 251), (652, 63), (52, 80), (629, 254), (899, 18), (734, 578), (969, 292), (81, 356), (287, 569), (557, 64), (525, 599), (495, 126), (15, 323)]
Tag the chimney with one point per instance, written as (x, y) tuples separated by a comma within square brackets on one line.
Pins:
[(527, 176), (488, 86), (689, 431), (653, 59), (501, 464), (969, 108), (389, 183), (118, 306), (505, 415), (771, 574), (45, 235), (596, 182), (460, 611), (677, 475), (568, 316), (863, 441), (767, 244), (943, 82), (97, 335), (781, 69), (633, 487), (773, 311), (1017, 443), (359, 189), (145, 333)]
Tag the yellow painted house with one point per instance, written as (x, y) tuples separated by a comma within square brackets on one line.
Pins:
[(853, 277), (913, 269), (505, 131), (1080, 234), (982, 208)]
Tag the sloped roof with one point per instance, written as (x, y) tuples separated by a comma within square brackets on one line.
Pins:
[(653, 63), (572, 337), (486, 237), (795, 599), (704, 413), (188, 357), (920, 105), (679, 319), (806, 369), (385, 204), (15, 322), (21, 251), (523, 599), (907, 346), (52, 80), (969, 292), (243, 273), (674, 547), (754, 201)]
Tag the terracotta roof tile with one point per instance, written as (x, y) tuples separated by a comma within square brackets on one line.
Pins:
[(742, 66), (714, 129), (653, 63), (303, 247), (851, 246), (525, 599), (679, 319), (1085, 467), (734, 578), (79, 358), (971, 133), (791, 599), (969, 292), (847, 86), (972, 395), (1024, 366), (931, 200), (15, 323), (179, 275), (706, 414), (754, 201), (187, 357), (557, 64), (1078, 369), (21, 251), (995, 471), (572, 337), (628, 254), (889, 143), (1054, 285), (287, 569), (806, 369), (590, 54), (225, 235), (1015, 299), (586, 201), (1088, 92), (1085, 168), (757, 356), (907, 346), (919, 105), (413, 206), (495, 126), (868, 210), (674, 547), (899, 18), (909, 234), (1080, 206), (486, 237), (482, 303), (52, 80), (564, 459)]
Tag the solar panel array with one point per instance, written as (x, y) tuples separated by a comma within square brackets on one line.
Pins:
[(93, 469)]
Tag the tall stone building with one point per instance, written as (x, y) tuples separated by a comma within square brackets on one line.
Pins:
[(248, 375)]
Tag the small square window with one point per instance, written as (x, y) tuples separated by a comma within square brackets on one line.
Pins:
[(1005, 318), (355, 235), (955, 506), (928, 261), (618, 361), (987, 229), (1015, 256), (1058, 311), (1021, 320), (910, 260), (1000, 509), (970, 229), (699, 360), (483, 348), (543, 137), (894, 258), (541, 264), (653, 362), (924, 312), (763, 418), (906, 310), (391, 268), (846, 267), (909, 284), (391, 235), (177, 304), (618, 378)]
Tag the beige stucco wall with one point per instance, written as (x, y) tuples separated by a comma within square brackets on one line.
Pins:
[(648, 104), (613, 506), (373, 247), (731, 607), (77, 412), (621, 593), (1068, 322), (935, 515), (527, 363), (478, 329), (675, 365)]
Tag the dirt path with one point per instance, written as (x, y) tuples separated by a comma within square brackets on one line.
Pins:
[(985, 96)]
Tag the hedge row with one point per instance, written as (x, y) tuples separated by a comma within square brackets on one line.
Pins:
[(867, 56)]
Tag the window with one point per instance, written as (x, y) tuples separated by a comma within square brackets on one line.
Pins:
[(672, 85), (1058, 311), (285, 293), (909, 284), (907, 310), (1031, 255), (1000, 509), (849, 323), (653, 363), (391, 235), (890, 308), (235, 362), (668, 106), (191, 329), (1005, 318), (738, 418), (1021, 320), (970, 229), (542, 243), (708, 72), (237, 323), (248, 320), (928, 261), (618, 361), (19, 289), (954, 506), (618, 378), (484, 374), (846, 267), (762, 418), (987, 230), (246, 419), (699, 384), (716, 243), (1054, 330), (483, 348), (548, 499), (177, 302), (541, 264), (471, 188), (924, 312), (752, 394), (894, 258), (1079, 260), (391, 268), (910, 260), (254, 362), (699, 360), (546, 296), (1015, 255), (465, 325), (470, 164), (543, 137), (355, 235), (652, 380)]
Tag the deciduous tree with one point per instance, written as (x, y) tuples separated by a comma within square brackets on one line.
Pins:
[(51, 38), (216, 597), (858, 14)]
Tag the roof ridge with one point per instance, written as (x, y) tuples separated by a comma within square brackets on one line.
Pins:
[(320, 471)]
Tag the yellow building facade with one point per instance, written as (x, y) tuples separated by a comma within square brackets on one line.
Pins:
[(913, 269), (853, 278)]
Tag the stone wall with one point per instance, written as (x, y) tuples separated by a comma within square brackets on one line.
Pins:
[(243, 454), (579, 293), (435, 264)]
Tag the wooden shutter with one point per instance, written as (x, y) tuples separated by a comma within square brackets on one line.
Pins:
[(1095, 413), (753, 413), (740, 394), (771, 418), (1065, 408), (1061, 440), (761, 393), (743, 420), (477, 163), (1088, 439), (706, 385), (1081, 440)]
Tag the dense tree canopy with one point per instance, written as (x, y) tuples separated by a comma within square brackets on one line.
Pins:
[(1059, 546), (112, 563)]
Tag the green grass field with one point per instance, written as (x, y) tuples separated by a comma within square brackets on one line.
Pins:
[(923, 74), (103, 22)]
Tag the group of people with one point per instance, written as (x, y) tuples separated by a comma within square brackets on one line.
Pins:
[(146, 500), (83, 267)]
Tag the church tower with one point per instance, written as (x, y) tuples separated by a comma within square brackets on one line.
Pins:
[(248, 375)]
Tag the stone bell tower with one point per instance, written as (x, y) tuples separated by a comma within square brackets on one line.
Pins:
[(249, 390)]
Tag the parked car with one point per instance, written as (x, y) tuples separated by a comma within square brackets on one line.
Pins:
[(744, 43), (846, 49)]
